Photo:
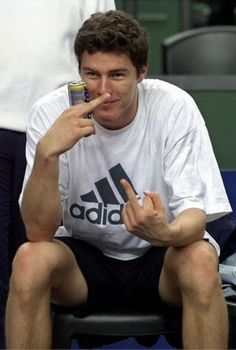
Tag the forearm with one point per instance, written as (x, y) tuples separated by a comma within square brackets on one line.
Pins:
[(41, 204), (189, 227)]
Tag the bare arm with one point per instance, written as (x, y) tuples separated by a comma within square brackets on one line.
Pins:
[(41, 204), (150, 223)]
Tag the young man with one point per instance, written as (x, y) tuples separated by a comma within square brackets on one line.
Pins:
[(134, 186)]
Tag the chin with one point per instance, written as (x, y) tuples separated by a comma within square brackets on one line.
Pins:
[(106, 121), (103, 115)]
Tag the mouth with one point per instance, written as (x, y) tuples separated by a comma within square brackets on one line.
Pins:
[(108, 103)]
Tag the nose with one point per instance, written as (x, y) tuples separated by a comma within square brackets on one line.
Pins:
[(104, 85)]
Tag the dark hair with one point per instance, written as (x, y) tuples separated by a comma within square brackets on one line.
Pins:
[(113, 31)]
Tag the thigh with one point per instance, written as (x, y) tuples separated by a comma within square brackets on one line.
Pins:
[(69, 283), (98, 271)]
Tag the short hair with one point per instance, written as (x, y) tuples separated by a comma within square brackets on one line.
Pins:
[(113, 31)]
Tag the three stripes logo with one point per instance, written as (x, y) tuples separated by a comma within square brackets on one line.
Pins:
[(107, 208)]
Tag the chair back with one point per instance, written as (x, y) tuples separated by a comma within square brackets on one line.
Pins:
[(206, 50)]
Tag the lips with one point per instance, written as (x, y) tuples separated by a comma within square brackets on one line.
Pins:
[(108, 103)]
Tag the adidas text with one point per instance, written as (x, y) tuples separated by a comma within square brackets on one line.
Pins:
[(100, 215)]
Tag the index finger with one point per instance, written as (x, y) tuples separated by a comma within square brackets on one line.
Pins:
[(88, 107)]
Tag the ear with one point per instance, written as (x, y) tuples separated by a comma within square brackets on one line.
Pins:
[(142, 74)]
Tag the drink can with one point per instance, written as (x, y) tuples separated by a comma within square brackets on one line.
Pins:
[(78, 93)]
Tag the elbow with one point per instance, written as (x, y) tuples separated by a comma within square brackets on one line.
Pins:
[(36, 231), (38, 228), (37, 234)]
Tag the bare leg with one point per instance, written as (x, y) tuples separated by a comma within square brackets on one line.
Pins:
[(40, 271), (190, 278)]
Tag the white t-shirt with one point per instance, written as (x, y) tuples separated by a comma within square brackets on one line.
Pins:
[(165, 149), (36, 51)]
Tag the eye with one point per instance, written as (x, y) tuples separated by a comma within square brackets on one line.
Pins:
[(91, 75), (118, 75)]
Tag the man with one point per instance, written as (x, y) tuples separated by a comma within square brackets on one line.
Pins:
[(134, 187)]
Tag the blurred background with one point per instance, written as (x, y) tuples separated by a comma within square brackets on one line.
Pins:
[(163, 18)]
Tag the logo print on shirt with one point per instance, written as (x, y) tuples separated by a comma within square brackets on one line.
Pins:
[(101, 213)]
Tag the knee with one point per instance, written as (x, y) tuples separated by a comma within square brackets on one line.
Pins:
[(30, 269), (195, 268)]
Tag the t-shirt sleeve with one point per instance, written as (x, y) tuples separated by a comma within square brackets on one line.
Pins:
[(190, 168)]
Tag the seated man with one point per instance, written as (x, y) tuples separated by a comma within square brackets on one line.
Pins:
[(134, 186)]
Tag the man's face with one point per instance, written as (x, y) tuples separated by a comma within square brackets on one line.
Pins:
[(113, 73)]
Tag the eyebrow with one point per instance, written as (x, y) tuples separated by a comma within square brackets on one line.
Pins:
[(111, 71)]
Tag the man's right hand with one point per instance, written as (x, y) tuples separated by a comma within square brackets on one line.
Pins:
[(70, 127)]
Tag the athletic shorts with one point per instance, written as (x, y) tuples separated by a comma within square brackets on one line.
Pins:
[(112, 282)]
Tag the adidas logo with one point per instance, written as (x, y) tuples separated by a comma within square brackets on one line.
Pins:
[(108, 208)]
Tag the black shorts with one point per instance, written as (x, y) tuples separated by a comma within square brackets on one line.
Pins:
[(118, 282)]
